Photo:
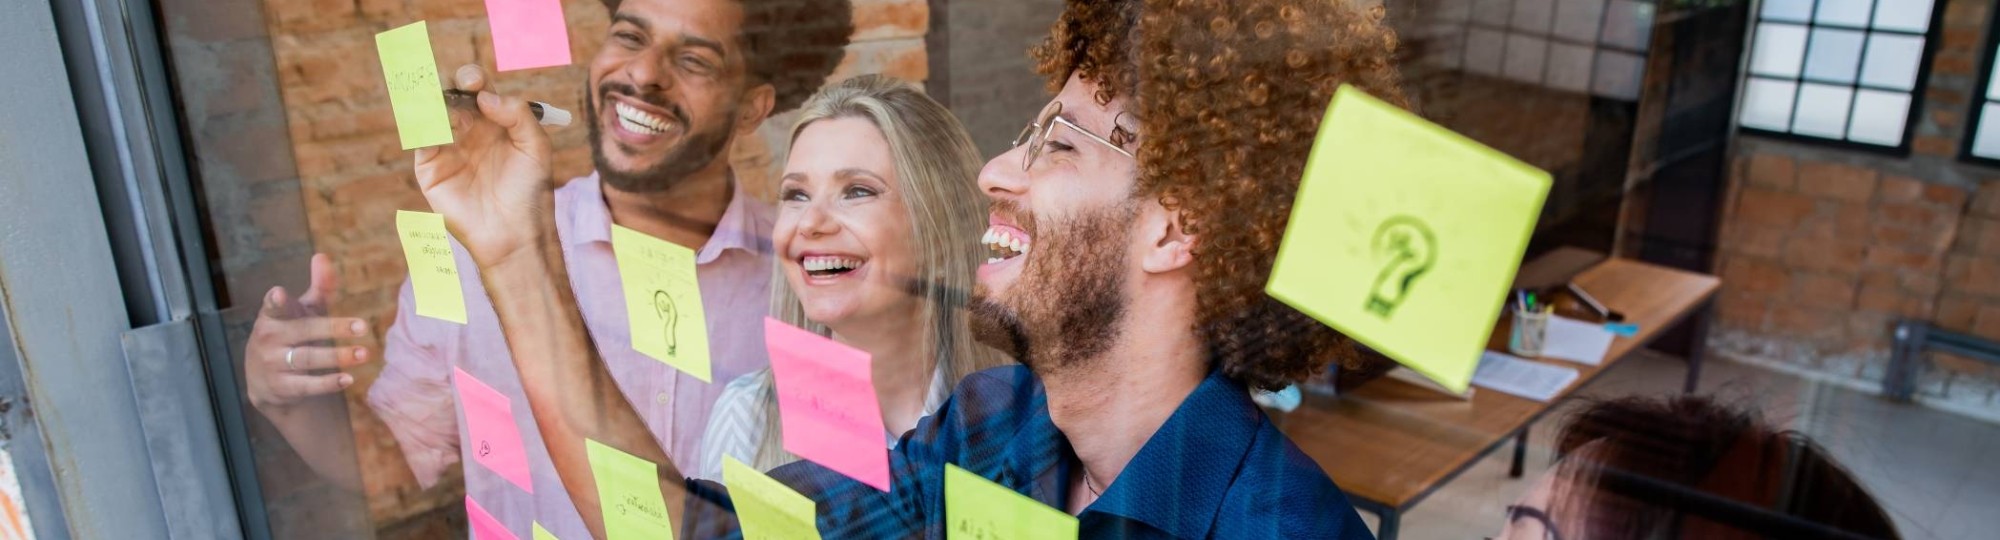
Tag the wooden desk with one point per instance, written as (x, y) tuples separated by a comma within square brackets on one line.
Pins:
[(1390, 444)]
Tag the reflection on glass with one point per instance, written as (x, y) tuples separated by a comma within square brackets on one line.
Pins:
[(1628, 24), (1903, 15), (1879, 117), (1524, 58), (1843, 12), (1822, 111), (1484, 50), (1533, 15), (1569, 67), (1835, 55), (1619, 74), (1779, 50), (1579, 20), (1767, 104), (1892, 61), (1788, 10), (1986, 143)]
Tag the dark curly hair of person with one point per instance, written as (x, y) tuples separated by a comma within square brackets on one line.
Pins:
[(1228, 97), (792, 44)]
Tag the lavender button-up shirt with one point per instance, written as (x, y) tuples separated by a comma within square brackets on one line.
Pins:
[(414, 393)]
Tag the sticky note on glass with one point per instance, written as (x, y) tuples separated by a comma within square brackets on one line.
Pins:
[(826, 396), (528, 33), (662, 300), (433, 269), (543, 534), (484, 526), (1405, 236), (489, 422), (978, 509), (414, 91), (628, 490), (767, 508)]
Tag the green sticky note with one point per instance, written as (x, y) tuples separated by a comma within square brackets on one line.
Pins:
[(628, 489), (1405, 236), (543, 534), (662, 300), (978, 509), (414, 92), (433, 269), (768, 509)]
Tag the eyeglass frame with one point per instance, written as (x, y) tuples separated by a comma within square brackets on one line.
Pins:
[(1036, 134)]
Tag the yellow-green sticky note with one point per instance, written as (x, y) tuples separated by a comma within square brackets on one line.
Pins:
[(1405, 236), (662, 300), (628, 489), (414, 92), (767, 508), (433, 270), (978, 509), (543, 534)]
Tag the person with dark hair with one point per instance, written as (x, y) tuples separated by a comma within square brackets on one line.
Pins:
[(1686, 467), (1130, 232), (674, 85)]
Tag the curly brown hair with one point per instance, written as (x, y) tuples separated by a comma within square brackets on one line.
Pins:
[(1229, 95), (793, 45)]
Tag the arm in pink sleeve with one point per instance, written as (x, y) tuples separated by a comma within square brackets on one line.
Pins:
[(413, 395)]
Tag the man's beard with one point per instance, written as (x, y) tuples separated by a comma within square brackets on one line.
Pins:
[(697, 150), (1067, 305)]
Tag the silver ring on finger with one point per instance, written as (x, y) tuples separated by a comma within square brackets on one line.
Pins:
[(288, 358)]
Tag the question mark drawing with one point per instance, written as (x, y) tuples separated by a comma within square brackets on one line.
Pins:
[(1407, 249), (670, 317)]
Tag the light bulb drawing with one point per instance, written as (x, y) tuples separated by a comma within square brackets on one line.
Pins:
[(670, 318), (1406, 248)]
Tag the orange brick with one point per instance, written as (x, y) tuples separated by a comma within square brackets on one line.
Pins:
[(889, 19), (1823, 291), (1773, 208), (1825, 255), (1747, 274), (1973, 275), (1797, 321), (1771, 170), (1957, 313), (1755, 240), (1987, 202), (1882, 256), (1901, 189), (1838, 181)]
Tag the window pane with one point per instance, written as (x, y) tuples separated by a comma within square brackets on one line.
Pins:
[(1618, 75), (1525, 56), (1767, 104), (1779, 50), (1892, 61), (1452, 11), (1533, 15), (1904, 15), (1569, 67), (1579, 20), (1843, 12), (1483, 50), (1493, 12), (1835, 55), (1628, 24), (1450, 40), (1993, 83), (1879, 117), (1788, 10), (1986, 143), (1822, 111)]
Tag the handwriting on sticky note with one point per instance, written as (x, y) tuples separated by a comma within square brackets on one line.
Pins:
[(826, 396), (433, 269), (528, 33), (978, 509), (1405, 236), (483, 524), (414, 92), (628, 488), (543, 534), (767, 508), (489, 422), (662, 301)]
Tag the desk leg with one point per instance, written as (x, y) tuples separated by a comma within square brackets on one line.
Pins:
[(1520, 452), (1698, 349), (1391, 521)]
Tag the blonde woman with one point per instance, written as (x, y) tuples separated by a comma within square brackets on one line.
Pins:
[(878, 227)]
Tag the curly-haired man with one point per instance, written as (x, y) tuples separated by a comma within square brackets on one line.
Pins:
[(1132, 228), (674, 84)]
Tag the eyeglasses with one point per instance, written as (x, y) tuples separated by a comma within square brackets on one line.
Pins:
[(1535, 515), (1036, 135)]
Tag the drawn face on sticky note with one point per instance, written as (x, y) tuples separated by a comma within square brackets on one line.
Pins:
[(489, 423), (1405, 236), (826, 396), (662, 301), (767, 508), (978, 509), (433, 266), (411, 74), (629, 490)]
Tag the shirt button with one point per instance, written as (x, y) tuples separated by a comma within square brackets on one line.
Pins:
[(661, 398)]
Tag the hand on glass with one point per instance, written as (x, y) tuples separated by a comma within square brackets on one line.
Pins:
[(493, 183), (291, 346)]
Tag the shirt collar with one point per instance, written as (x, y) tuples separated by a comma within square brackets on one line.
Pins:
[(745, 224), (1194, 455)]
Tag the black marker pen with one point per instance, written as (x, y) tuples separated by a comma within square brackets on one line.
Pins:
[(548, 114)]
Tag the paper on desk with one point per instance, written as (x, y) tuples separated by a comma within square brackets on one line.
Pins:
[(628, 491), (483, 525), (1405, 236), (415, 94), (528, 33), (976, 508), (826, 397), (662, 301), (767, 508), (1576, 341), (489, 421), (433, 268), (1511, 375)]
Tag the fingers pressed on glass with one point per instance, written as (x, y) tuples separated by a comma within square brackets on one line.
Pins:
[(315, 329), (306, 359), (299, 386)]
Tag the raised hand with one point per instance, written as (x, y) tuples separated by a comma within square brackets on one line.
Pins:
[(291, 347), (493, 184)]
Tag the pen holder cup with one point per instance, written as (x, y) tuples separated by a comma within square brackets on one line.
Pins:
[(1530, 327)]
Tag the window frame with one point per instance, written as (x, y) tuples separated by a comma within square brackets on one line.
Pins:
[(1917, 92), (1977, 102)]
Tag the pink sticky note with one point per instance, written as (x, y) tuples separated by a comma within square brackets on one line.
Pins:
[(826, 394), (528, 33), (489, 419), (484, 527)]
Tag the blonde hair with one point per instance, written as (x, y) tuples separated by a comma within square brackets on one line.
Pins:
[(937, 167)]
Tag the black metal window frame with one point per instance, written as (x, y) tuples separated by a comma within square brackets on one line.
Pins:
[(1597, 45), (1980, 99), (1811, 24)]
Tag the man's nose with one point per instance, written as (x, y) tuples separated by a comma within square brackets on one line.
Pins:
[(648, 72), (1003, 177)]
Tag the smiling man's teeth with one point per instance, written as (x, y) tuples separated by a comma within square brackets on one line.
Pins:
[(1004, 244), (637, 121)]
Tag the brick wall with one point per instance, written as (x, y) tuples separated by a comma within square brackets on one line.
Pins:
[(981, 66), (1822, 248), (353, 175)]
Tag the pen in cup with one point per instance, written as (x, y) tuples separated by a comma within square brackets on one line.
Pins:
[(548, 115)]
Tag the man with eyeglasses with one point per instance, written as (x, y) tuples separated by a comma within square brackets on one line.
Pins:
[(1132, 229)]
